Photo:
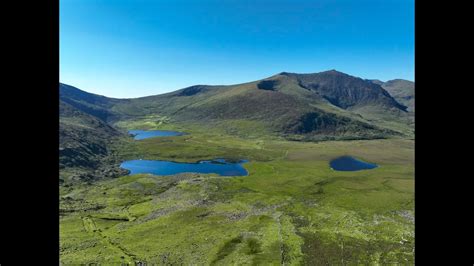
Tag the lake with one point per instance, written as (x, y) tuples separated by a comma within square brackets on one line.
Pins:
[(348, 163), (145, 134), (157, 167)]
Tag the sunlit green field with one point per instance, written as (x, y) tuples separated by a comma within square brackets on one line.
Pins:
[(291, 209)]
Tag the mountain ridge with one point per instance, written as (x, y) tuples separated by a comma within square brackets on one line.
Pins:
[(328, 103)]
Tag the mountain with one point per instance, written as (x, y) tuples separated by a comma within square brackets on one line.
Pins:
[(319, 106), (345, 91), (322, 105), (84, 135), (95, 105), (403, 91)]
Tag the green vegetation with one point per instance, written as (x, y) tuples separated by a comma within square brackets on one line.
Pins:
[(291, 209)]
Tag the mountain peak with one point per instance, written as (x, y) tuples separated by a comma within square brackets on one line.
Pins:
[(331, 71), (343, 90)]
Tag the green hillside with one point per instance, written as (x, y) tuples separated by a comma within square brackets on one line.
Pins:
[(327, 105)]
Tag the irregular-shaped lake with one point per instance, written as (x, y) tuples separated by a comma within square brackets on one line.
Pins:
[(156, 167), (348, 163), (144, 134)]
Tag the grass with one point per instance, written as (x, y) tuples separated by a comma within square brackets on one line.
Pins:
[(291, 209)]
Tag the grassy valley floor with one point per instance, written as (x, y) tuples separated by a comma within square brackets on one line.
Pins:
[(291, 209)]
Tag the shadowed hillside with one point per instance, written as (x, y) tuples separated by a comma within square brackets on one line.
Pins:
[(89, 103), (84, 144)]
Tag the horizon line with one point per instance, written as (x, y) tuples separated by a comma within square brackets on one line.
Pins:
[(278, 73)]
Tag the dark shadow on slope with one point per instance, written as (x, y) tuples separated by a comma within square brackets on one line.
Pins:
[(269, 85)]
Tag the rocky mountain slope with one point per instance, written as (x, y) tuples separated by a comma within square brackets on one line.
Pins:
[(84, 144)]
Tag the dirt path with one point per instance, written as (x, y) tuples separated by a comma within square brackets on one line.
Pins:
[(277, 216), (91, 227), (340, 238)]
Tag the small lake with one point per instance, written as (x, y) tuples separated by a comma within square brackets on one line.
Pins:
[(348, 163), (157, 167), (145, 134)]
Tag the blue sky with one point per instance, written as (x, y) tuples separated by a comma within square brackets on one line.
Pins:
[(132, 48)]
